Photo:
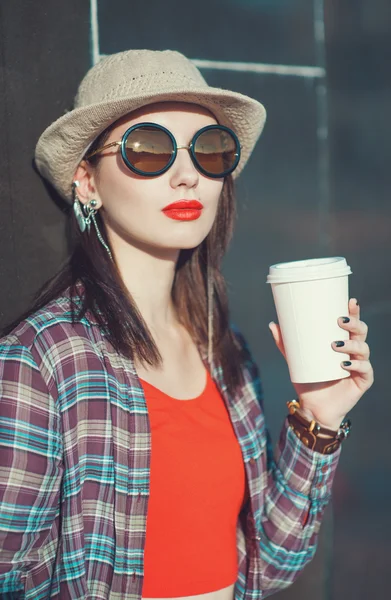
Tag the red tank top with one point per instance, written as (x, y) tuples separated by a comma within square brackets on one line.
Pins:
[(197, 488)]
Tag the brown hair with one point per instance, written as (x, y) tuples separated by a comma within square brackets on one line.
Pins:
[(107, 298)]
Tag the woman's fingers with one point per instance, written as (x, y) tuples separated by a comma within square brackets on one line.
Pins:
[(359, 366), (358, 329), (355, 348), (354, 308), (361, 370), (276, 333)]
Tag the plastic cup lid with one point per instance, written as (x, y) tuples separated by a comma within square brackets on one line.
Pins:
[(308, 270)]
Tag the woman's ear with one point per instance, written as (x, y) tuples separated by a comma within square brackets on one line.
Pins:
[(86, 189)]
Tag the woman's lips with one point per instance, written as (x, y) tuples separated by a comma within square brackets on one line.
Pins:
[(183, 214), (184, 210)]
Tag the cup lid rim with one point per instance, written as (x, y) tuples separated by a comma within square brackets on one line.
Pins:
[(308, 270)]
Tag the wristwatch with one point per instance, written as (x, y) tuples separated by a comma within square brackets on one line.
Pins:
[(308, 431)]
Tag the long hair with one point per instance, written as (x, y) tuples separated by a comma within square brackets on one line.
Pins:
[(106, 297)]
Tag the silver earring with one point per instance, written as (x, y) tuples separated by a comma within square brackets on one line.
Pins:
[(77, 208), (98, 233), (90, 211), (84, 214)]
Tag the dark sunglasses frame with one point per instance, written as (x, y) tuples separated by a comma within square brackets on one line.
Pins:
[(122, 145)]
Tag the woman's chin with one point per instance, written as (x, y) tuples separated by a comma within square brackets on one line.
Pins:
[(183, 242)]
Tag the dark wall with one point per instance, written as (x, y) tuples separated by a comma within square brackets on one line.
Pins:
[(359, 58), (44, 52), (318, 183)]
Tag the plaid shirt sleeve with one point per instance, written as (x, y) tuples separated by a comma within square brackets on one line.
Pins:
[(30, 468), (298, 489)]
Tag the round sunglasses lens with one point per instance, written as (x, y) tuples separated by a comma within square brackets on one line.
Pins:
[(216, 151), (148, 149)]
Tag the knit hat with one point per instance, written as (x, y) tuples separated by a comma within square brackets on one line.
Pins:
[(123, 82)]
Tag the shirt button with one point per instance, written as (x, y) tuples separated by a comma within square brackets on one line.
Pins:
[(252, 461), (325, 469)]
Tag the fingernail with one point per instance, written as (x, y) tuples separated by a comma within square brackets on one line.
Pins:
[(345, 320), (339, 344), (346, 363)]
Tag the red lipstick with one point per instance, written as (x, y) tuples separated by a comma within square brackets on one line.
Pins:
[(184, 210)]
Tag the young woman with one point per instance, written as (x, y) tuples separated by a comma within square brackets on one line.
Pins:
[(135, 458)]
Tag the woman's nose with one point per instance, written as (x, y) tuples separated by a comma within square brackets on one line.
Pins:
[(183, 170)]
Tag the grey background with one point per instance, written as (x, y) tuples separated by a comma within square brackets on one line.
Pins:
[(317, 184)]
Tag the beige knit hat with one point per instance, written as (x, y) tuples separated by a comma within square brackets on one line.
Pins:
[(123, 82)]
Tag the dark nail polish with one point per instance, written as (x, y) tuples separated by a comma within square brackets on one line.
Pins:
[(346, 363), (345, 320), (339, 344)]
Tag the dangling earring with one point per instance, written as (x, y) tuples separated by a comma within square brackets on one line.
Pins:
[(90, 211), (85, 214), (98, 233), (210, 288), (77, 208)]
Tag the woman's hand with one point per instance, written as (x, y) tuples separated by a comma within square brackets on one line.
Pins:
[(328, 402)]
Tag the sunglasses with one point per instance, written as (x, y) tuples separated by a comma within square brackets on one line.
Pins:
[(149, 149)]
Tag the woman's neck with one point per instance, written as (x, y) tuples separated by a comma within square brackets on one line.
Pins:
[(148, 274)]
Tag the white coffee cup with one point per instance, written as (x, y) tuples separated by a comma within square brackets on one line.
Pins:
[(309, 296)]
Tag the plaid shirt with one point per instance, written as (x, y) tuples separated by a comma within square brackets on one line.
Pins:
[(75, 470)]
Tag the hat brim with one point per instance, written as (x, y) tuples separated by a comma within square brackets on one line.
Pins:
[(63, 144)]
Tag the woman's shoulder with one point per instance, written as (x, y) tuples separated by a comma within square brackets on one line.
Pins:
[(52, 346), (55, 323)]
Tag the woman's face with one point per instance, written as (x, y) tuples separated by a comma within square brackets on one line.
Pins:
[(132, 205)]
